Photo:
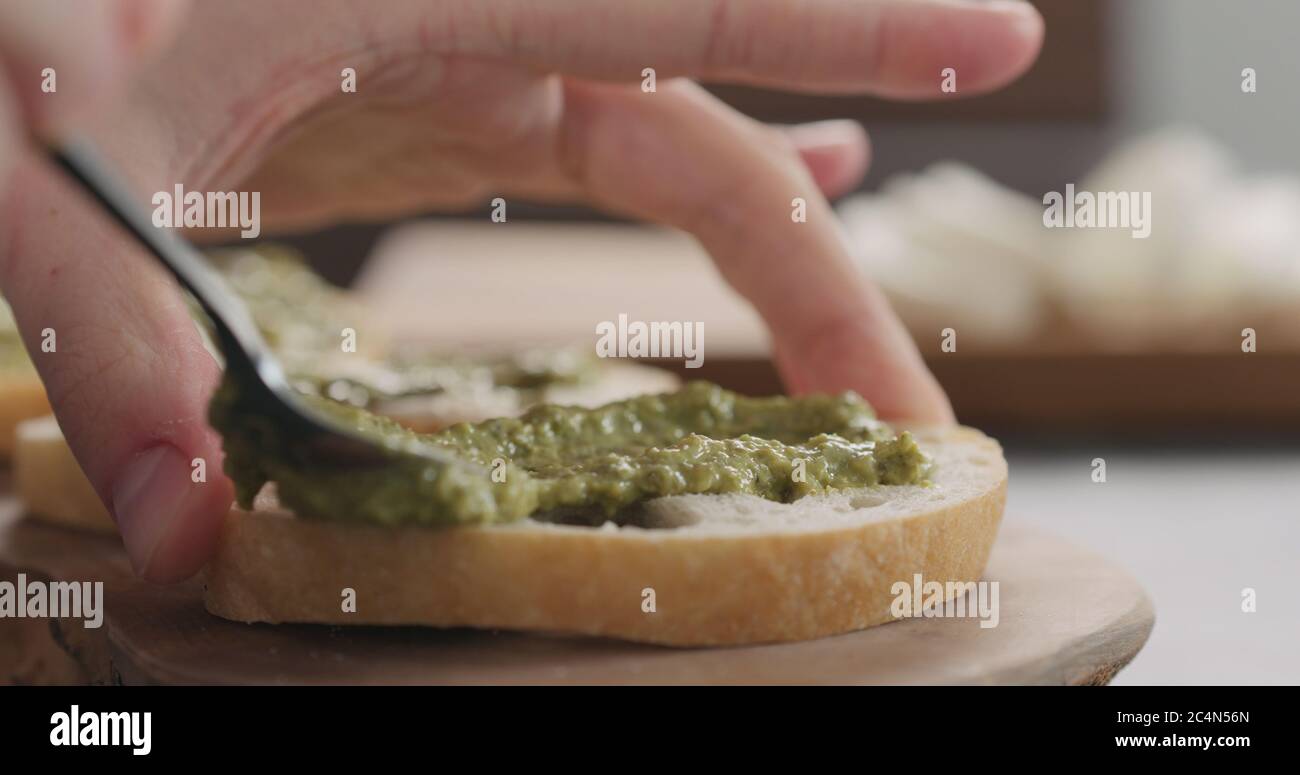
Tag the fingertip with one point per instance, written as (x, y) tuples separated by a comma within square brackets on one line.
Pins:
[(953, 48), (837, 153), (931, 407), (1013, 38), (1026, 39), (169, 512), (192, 542), (900, 393), (868, 352)]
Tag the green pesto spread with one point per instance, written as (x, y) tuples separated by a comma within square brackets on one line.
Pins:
[(298, 312), (556, 460)]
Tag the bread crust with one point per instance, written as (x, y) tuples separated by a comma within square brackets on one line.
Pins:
[(711, 587), (50, 482), (23, 397)]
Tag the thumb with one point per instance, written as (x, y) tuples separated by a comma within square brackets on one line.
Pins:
[(125, 370)]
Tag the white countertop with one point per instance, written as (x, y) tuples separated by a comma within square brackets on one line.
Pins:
[(1195, 526)]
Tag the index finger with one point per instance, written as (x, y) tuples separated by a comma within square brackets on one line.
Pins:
[(893, 48), (681, 157)]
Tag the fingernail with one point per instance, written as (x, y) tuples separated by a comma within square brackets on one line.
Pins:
[(830, 132), (1028, 21), (148, 497)]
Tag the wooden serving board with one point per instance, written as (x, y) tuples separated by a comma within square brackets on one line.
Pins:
[(1159, 397), (456, 284), (1067, 616)]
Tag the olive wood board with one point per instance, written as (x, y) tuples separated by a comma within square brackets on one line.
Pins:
[(1153, 398), (1067, 616)]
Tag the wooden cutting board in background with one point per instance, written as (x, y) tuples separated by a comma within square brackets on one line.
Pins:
[(501, 286)]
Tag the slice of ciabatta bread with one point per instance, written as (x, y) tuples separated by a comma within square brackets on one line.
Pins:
[(720, 570), (50, 482)]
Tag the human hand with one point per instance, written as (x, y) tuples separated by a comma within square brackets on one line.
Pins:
[(455, 100), (61, 60)]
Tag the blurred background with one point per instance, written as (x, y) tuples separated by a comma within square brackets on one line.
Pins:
[(1072, 344)]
